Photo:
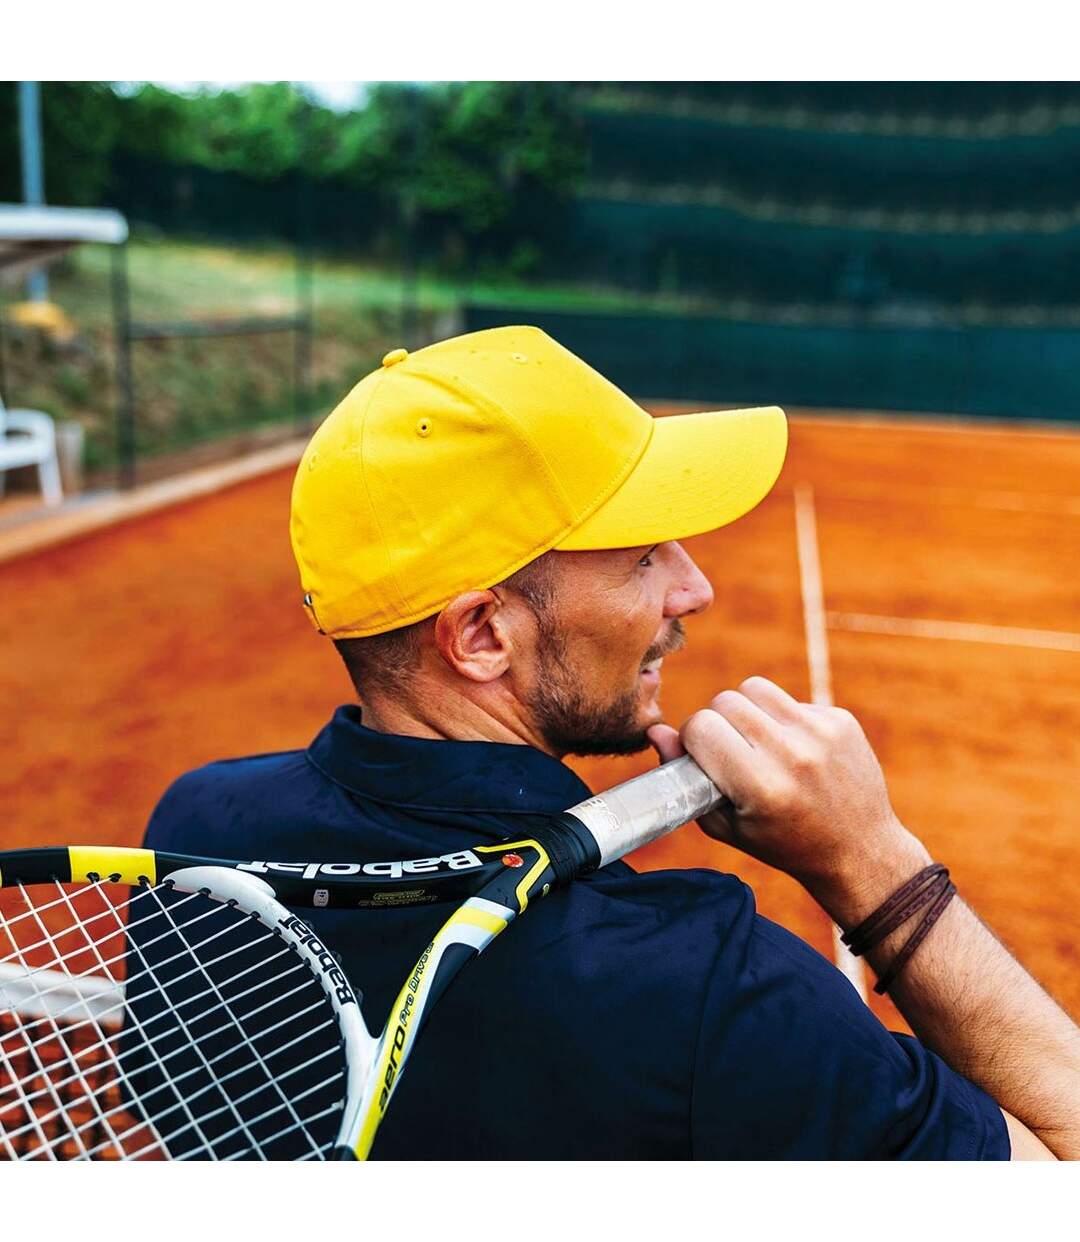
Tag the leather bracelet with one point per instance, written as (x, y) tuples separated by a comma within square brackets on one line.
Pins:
[(897, 909), (917, 937)]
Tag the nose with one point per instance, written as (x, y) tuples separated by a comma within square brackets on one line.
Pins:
[(690, 591)]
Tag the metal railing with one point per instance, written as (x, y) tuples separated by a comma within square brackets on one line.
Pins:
[(129, 332)]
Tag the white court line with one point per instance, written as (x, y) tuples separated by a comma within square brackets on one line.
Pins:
[(817, 655), (958, 497), (956, 631), (813, 600)]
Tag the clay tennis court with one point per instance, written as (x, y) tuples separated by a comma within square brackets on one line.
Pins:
[(924, 575)]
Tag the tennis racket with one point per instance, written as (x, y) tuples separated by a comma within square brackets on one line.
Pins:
[(159, 1006)]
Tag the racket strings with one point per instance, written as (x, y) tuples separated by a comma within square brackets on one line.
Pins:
[(177, 1079), (116, 1009), (250, 1045), (50, 1050), (116, 1012), (297, 1126), (294, 1125), (195, 1009)]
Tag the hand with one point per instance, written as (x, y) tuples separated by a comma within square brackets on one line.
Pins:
[(806, 791)]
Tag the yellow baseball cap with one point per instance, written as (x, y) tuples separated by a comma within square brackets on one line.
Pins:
[(448, 469)]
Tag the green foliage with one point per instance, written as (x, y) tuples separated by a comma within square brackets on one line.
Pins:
[(258, 131), (80, 126), (487, 146), (474, 166)]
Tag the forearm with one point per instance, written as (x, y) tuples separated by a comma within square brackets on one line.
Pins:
[(969, 1000), (804, 793)]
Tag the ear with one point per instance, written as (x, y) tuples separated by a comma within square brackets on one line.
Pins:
[(471, 637)]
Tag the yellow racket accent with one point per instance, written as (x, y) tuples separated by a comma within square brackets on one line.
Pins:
[(105, 860), (406, 1011), (480, 918), (542, 861)]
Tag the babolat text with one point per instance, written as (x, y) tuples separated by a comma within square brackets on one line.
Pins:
[(461, 860), (326, 961)]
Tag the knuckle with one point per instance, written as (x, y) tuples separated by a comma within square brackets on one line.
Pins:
[(805, 758), (697, 727), (777, 791), (726, 700), (831, 723)]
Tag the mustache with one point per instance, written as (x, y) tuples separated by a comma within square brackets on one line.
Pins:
[(674, 641)]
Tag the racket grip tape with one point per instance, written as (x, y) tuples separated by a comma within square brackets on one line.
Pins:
[(640, 810), (571, 849)]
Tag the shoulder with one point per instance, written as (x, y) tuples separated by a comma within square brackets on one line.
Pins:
[(225, 777), (664, 930), (229, 794), (680, 902)]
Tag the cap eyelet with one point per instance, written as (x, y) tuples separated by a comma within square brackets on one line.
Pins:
[(423, 427), (518, 358)]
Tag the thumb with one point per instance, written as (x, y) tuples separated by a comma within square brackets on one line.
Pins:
[(665, 741)]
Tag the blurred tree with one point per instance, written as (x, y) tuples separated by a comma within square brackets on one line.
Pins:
[(80, 122), (160, 124), (470, 163), (467, 151)]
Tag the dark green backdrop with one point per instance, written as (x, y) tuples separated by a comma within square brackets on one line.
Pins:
[(999, 372)]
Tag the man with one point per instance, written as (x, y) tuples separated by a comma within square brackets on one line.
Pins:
[(488, 530)]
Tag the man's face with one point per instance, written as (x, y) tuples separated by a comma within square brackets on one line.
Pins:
[(595, 687)]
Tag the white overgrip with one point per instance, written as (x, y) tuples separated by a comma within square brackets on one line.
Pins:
[(640, 810)]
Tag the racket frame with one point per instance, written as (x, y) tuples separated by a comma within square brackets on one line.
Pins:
[(497, 883), (250, 896)]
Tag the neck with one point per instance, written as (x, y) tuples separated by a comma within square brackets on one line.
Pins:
[(436, 711)]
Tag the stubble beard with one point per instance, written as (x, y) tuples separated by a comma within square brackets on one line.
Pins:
[(572, 724)]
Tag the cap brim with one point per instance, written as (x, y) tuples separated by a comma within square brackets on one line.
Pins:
[(699, 472)]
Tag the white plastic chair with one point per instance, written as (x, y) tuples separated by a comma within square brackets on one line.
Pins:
[(32, 444)]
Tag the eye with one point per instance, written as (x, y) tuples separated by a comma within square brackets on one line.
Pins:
[(646, 560)]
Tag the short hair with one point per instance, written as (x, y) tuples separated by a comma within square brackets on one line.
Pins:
[(387, 662)]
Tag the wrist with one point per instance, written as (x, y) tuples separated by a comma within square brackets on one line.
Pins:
[(862, 881)]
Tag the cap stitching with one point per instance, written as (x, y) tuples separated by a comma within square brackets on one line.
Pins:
[(299, 528), (620, 477), (459, 386), (625, 470), (393, 575)]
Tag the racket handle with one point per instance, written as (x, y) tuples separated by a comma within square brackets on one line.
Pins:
[(640, 810)]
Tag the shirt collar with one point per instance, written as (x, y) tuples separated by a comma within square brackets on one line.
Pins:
[(433, 774)]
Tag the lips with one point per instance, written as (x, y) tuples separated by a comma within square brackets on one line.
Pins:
[(674, 641)]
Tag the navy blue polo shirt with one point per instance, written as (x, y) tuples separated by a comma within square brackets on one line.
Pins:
[(629, 1016)]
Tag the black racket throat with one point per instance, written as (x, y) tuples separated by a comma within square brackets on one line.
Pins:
[(570, 846)]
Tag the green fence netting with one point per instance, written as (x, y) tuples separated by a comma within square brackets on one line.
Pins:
[(998, 372)]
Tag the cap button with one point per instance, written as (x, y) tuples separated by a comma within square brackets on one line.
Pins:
[(394, 357)]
